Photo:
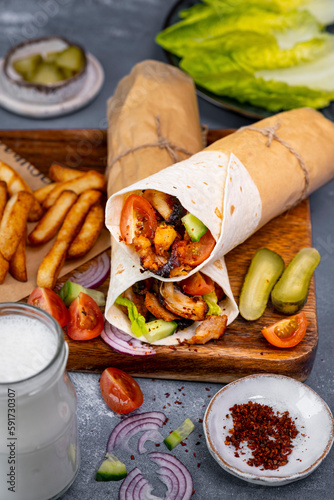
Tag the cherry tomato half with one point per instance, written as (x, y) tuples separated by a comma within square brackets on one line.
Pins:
[(198, 251), (120, 391), (137, 218), (49, 301), (198, 284), (287, 332), (86, 319)]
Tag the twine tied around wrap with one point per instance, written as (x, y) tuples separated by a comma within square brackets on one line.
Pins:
[(270, 132), (161, 143)]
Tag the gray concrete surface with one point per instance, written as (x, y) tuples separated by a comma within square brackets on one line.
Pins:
[(121, 33)]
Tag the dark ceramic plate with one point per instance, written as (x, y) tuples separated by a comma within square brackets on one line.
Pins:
[(221, 101)]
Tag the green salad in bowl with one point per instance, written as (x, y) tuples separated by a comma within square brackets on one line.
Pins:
[(273, 55)]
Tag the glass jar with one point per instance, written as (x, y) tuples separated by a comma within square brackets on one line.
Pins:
[(39, 455)]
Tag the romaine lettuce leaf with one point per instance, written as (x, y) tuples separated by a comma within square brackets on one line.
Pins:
[(252, 68), (212, 301), (208, 24), (138, 323)]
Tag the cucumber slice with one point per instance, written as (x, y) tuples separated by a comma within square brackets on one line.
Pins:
[(27, 66), (47, 73), (70, 291), (194, 227), (265, 269), (71, 58), (290, 292), (159, 329), (111, 469), (179, 434)]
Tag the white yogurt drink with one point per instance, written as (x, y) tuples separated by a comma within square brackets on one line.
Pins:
[(39, 456)]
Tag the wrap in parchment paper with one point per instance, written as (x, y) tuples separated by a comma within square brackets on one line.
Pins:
[(152, 90), (242, 181)]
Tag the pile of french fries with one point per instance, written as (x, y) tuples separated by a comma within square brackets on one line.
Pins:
[(70, 209)]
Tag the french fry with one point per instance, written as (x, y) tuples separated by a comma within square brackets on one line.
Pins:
[(51, 221), (4, 266), (88, 233), (59, 173), (3, 197), (18, 263), (13, 222), (15, 183), (41, 193), (90, 180), (52, 263)]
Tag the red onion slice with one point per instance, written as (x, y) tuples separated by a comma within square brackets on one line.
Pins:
[(138, 488), (150, 425), (131, 424), (169, 478), (149, 435), (124, 343), (129, 484), (185, 481), (96, 274)]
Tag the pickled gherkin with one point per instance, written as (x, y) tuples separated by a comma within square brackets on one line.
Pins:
[(71, 58), (290, 292), (27, 66), (265, 269), (54, 67)]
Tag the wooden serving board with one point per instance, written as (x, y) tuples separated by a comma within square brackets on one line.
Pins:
[(242, 350)]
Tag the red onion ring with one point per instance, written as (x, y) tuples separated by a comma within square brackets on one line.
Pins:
[(185, 481), (123, 342), (129, 484), (150, 435), (169, 478), (96, 274), (138, 488), (131, 426)]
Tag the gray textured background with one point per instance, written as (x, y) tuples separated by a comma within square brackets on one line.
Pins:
[(121, 33)]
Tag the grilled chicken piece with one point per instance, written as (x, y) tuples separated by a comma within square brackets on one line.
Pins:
[(168, 206), (158, 310), (194, 308), (163, 239), (212, 327), (138, 300), (148, 258)]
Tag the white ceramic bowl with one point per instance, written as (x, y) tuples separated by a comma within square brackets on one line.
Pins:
[(55, 93), (314, 422)]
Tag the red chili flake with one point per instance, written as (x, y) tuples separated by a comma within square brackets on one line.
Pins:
[(193, 493), (194, 454), (200, 420), (157, 445), (207, 389), (198, 465), (132, 457), (183, 444), (167, 394), (199, 435), (268, 435)]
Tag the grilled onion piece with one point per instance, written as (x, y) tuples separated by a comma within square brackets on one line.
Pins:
[(194, 308)]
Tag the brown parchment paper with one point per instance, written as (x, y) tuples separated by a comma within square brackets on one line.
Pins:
[(12, 290), (152, 89), (275, 169)]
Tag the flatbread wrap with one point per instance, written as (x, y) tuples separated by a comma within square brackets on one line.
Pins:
[(233, 187)]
